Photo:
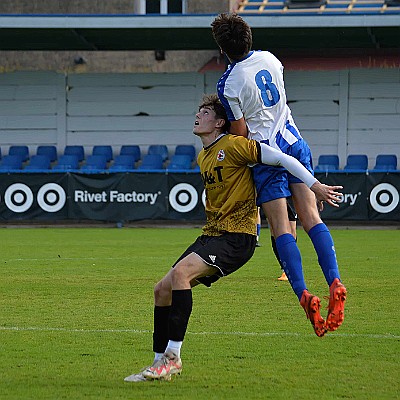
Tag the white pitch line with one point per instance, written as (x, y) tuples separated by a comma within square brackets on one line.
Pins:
[(70, 330), (140, 331), (69, 258)]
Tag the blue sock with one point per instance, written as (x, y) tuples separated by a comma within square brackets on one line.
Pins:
[(258, 230), (323, 244), (290, 257)]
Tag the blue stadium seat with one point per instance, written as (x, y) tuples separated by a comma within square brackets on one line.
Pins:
[(328, 163), (21, 151), (356, 163), (304, 3), (128, 150), (69, 162), (180, 162), (151, 162), (385, 162), (337, 6), (49, 151), (160, 149), (310, 7), (274, 5), (369, 7), (105, 151), (94, 163), (38, 163), (187, 149), (10, 163), (78, 151), (123, 163)]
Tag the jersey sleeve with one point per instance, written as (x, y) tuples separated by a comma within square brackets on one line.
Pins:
[(245, 151), (271, 156), (229, 100)]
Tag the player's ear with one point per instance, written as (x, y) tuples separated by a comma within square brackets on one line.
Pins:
[(220, 123)]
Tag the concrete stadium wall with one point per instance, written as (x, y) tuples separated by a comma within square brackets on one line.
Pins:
[(98, 6), (104, 61), (338, 112), (67, 7)]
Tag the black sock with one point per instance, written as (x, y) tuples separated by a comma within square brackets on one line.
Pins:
[(181, 308), (160, 334), (276, 251)]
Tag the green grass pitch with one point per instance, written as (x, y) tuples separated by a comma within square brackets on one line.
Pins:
[(76, 318)]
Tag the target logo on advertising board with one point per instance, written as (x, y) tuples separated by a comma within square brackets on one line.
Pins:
[(183, 197), (51, 197), (19, 197), (384, 198)]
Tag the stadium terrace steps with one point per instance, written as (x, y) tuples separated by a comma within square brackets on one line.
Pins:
[(316, 7)]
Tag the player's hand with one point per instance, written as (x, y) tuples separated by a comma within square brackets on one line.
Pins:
[(327, 193)]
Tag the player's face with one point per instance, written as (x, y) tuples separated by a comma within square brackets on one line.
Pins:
[(206, 121)]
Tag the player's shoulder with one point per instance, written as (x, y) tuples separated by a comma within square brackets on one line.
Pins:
[(266, 56), (233, 140)]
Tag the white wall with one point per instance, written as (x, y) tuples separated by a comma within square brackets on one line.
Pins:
[(30, 107), (338, 112), (346, 112), (138, 109)]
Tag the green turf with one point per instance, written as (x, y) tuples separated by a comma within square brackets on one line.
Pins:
[(76, 318)]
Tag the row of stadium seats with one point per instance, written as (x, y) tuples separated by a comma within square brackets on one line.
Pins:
[(157, 158), (319, 6), (357, 163), (102, 159)]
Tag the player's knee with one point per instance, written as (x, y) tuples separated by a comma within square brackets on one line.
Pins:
[(161, 293), (310, 221), (158, 291), (280, 227)]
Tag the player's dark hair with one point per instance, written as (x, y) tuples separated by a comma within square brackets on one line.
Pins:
[(233, 35), (212, 101)]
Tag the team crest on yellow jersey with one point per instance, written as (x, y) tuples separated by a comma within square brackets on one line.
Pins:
[(221, 155)]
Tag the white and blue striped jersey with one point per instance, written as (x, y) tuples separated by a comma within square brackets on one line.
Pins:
[(253, 88)]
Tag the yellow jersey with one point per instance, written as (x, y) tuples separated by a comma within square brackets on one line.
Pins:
[(230, 192)]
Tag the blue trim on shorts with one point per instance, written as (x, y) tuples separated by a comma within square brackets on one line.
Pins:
[(280, 140)]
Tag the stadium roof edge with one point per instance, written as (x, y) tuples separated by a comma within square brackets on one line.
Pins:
[(193, 32), (192, 21)]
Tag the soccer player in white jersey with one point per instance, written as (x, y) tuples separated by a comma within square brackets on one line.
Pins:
[(229, 236), (253, 93)]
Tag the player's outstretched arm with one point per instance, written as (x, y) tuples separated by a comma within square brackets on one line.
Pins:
[(323, 192)]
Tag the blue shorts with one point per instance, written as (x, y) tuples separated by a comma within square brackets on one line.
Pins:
[(273, 182)]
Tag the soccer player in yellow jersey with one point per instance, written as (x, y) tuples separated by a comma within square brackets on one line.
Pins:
[(229, 236)]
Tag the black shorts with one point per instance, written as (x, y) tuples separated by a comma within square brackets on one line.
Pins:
[(227, 253)]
